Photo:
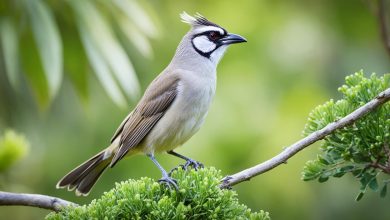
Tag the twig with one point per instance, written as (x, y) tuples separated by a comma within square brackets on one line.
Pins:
[(35, 200), (290, 151), (383, 24)]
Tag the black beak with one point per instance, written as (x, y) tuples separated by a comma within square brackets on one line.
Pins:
[(232, 39)]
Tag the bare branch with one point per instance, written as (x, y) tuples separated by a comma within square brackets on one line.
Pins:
[(290, 151), (35, 200)]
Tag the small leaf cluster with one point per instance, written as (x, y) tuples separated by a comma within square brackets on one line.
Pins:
[(13, 147), (362, 148), (199, 197)]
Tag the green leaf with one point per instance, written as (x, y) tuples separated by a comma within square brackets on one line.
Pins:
[(359, 172), (373, 184), (34, 71), (93, 24), (136, 13), (347, 168), (383, 190), (48, 42), (359, 196), (10, 46), (312, 170), (75, 67), (322, 160), (102, 71), (137, 38), (366, 179), (323, 178), (339, 173)]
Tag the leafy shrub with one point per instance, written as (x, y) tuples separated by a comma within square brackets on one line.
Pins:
[(362, 148), (199, 197)]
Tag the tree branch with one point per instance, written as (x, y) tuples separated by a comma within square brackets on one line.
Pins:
[(290, 151), (35, 200)]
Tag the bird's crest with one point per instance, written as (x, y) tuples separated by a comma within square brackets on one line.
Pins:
[(197, 20)]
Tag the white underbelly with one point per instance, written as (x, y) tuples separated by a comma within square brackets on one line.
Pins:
[(182, 120)]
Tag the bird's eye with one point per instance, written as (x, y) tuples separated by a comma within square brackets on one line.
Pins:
[(214, 35)]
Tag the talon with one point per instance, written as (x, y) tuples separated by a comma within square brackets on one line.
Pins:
[(174, 169), (189, 162), (194, 164), (169, 182)]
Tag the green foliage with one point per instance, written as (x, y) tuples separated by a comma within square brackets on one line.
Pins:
[(199, 197), (362, 148), (52, 35), (13, 147)]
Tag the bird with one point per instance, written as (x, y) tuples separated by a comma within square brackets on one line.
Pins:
[(170, 112)]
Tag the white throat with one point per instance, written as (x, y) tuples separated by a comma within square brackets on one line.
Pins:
[(217, 55)]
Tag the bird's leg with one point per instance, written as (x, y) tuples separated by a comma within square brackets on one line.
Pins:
[(165, 179), (189, 162)]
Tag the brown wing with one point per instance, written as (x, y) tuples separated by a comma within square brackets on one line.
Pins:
[(157, 99), (120, 128)]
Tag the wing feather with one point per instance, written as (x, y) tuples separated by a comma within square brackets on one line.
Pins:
[(157, 99)]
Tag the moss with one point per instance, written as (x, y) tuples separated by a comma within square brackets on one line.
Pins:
[(199, 197)]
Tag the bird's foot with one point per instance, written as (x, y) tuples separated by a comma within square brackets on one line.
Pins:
[(169, 182), (192, 163), (189, 163)]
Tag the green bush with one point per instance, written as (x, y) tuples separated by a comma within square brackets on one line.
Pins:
[(199, 197), (362, 148), (13, 147)]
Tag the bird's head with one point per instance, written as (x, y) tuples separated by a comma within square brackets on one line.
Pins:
[(208, 39)]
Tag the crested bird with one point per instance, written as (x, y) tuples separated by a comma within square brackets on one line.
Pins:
[(172, 109)]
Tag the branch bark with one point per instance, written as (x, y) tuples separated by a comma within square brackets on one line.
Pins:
[(290, 151), (34, 200)]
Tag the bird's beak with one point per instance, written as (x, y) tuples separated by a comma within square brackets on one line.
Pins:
[(232, 39)]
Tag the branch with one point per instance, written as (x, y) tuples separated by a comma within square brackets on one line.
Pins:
[(290, 151), (34, 200)]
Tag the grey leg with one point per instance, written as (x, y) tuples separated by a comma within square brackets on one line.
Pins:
[(165, 177)]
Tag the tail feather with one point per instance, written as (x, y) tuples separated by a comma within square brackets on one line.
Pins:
[(83, 177), (90, 179)]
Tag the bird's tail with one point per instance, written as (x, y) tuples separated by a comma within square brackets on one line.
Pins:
[(83, 177)]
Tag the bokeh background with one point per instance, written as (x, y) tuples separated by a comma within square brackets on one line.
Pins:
[(297, 55)]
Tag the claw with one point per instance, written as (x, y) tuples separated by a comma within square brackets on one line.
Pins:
[(189, 163), (193, 163), (169, 182)]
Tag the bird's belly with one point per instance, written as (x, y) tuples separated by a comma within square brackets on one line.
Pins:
[(180, 122)]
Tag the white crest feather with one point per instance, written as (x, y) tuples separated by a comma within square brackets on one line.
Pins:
[(197, 20), (186, 18)]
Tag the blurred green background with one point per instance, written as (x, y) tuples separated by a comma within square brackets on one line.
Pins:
[(297, 55)]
